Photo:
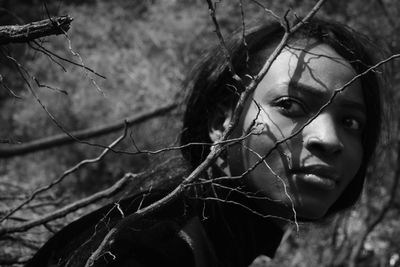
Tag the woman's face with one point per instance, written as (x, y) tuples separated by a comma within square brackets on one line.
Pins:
[(315, 166)]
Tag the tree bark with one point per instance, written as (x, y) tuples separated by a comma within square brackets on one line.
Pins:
[(28, 32)]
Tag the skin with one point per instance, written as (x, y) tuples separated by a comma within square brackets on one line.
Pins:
[(315, 166)]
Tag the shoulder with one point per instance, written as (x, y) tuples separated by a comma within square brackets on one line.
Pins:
[(170, 237), (175, 238), (164, 243), (76, 241), (79, 238)]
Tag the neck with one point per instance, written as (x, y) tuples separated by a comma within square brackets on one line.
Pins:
[(237, 227), (240, 235)]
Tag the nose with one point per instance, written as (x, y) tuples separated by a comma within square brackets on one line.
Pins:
[(321, 135)]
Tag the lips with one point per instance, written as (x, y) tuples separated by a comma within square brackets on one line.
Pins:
[(322, 176)]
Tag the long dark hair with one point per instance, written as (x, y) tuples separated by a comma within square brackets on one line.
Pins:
[(211, 83)]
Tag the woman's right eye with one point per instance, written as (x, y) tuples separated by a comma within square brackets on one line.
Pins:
[(290, 107)]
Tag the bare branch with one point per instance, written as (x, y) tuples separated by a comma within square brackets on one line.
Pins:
[(50, 53), (65, 174), (71, 207), (218, 199), (34, 30), (11, 150), (8, 88), (244, 32), (267, 10), (282, 182), (212, 10)]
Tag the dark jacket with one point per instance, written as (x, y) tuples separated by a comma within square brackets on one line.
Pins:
[(187, 232)]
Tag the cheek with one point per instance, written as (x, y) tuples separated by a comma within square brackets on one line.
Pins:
[(268, 178), (268, 174), (265, 134)]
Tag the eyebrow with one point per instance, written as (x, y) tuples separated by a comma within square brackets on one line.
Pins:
[(354, 105), (304, 88), (345, 103)]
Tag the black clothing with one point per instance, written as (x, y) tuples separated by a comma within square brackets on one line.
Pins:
[(187, 232)]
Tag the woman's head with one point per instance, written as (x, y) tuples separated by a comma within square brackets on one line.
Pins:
[(323, 167)]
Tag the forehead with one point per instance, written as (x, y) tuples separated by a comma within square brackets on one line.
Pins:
[(315, 65)]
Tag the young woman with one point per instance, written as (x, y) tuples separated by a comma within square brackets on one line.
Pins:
[(239, 208)]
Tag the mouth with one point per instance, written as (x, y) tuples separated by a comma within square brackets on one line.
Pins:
[(322, 176)]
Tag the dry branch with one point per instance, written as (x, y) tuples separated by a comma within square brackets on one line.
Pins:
[(65, 174), (29, 32), (71, 207), (11, 150)]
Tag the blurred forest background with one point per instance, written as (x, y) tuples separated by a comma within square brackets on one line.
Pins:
[(145, 49)]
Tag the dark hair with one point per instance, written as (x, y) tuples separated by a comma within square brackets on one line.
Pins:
[(212, 83)]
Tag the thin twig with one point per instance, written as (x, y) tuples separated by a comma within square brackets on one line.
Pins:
[(49, 52), (212, 11), (120, 184), (226, 201), (285, 187), (8, 88), (269, 11), (65, 174), (244, 32), (49, 55), (76, 54)]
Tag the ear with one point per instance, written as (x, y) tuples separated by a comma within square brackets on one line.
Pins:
[(218, 121)]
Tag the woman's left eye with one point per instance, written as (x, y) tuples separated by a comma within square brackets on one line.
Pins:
[(352, 123)]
